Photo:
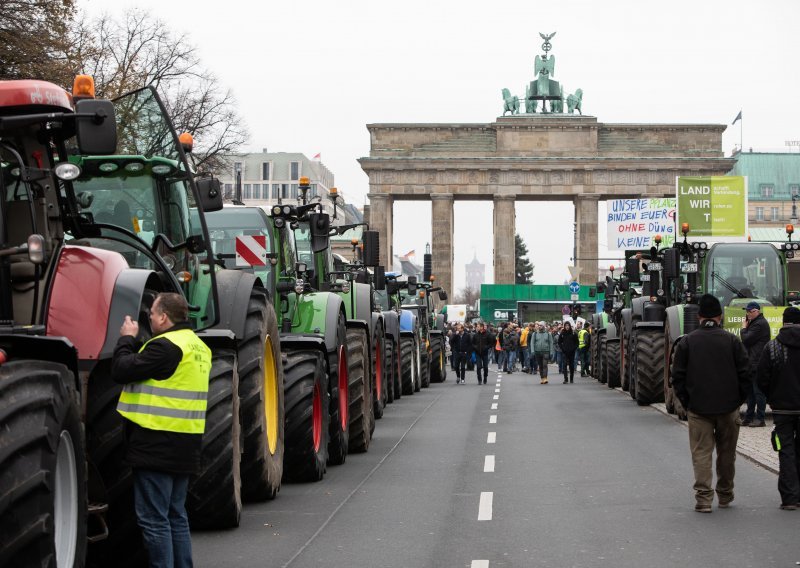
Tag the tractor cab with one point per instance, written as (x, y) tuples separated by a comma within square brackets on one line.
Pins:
[(737, 273)]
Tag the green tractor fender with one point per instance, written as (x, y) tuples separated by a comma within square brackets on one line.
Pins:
[(674, 321), (317, 314), (357, 303), (233, 289), (611, 332)]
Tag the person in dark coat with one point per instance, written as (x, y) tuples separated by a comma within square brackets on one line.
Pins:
[(568, 342), (510, 343), (710, 376), (755, 335), (779, 378), (482, 343), (461, 345)]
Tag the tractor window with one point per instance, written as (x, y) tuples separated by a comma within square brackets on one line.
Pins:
[(745, 270), (231, 222)]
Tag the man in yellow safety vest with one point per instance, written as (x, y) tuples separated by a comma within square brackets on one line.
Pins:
[(163, 403), (583, 347)]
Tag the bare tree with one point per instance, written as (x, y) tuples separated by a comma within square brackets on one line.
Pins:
[(142, 51), (467, 296)]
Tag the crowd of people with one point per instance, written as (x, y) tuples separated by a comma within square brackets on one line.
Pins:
[(530, 348)]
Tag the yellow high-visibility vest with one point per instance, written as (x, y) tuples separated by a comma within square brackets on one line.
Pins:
[(582, 338), (176, 404)]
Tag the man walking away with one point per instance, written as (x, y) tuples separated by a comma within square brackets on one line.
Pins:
[(541, 346), (583, 348), (510, 343), (779, 378), (559, 354), (522, 351), (482, 344), (755, 335), (462, 347), (170, 371), (568, 341), (710, 376)]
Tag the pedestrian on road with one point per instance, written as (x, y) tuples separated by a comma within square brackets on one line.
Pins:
[(710, 376), (510, 343), (779, 378), (482, 344), (462, 348), (755, 335), (522, 352), (559, 354), (540, 344), (583, 347), (568, 341), (170, 371)]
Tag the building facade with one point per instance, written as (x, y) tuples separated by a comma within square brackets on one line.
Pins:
[(476, 273), (773, 187)]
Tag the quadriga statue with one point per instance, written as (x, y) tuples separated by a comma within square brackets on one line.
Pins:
[(510, 103), (574, 102)]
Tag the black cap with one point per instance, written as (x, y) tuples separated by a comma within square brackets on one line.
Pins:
[(791, 315), (709, 306)]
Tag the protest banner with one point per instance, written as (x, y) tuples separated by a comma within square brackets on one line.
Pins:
[(633, 223), (715, 207)]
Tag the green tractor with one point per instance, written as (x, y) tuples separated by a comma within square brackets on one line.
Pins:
[(109, 214), (736, 273)]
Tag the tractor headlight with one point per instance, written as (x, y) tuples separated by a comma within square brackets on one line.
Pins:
[(299, 286), (67, 172), (346, 287)]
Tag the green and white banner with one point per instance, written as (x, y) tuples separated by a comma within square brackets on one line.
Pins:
[(714, 206), (734, 317)]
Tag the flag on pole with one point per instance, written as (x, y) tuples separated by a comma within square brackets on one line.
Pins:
[(319, 155), (738, 117)]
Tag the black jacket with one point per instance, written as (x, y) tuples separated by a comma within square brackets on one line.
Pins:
[(779, 371), (482, 342), (461, 343), (710, 373), (755, 337), (509, 341), (568, 341), (157, 450)]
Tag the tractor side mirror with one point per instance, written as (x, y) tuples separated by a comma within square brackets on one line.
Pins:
[(601, 287), (96, 135), (672, 263), (632, 269), (442, 295), (392, 287), (412, 285), (210, 194), (372, 248), (320, 226), (380, 278), (624, 284)]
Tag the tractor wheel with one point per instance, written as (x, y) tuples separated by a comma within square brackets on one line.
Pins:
[(408, 358), (389, 369), (612, 364), (358, 368), (601, 358), (105, 442), (425, 368), (380, 385), (649, 367), (43, 465), (437, 360), (634, 345), (215, 499), (339, 388), (261, 410), (307, 416), (624, 359)]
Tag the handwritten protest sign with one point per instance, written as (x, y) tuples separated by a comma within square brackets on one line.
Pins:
[(633, 223)]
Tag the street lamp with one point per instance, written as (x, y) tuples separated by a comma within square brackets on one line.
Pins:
[(237, 167), (795, 192)]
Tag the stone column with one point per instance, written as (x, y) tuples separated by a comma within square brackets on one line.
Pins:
[(442, 242), (586, 237), (504, 231), (381, 220)]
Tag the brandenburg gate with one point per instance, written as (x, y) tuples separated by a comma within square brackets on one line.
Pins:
[(544, 156)]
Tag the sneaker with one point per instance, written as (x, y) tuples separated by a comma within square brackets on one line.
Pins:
[(702, 508), (565, 381), (789, 507), (725, 504)]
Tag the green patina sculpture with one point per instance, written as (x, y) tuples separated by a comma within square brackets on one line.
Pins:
[(544, 88), (510, 103), (574, 102)]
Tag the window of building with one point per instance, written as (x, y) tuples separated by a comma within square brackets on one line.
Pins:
[(767, 190), (228, 187), (294, 191), (247, 192), (265, 170), (794, 189), (759, 213), (774, 214), (295, 171), (276, 190), (284, 191), (313, 190), (256, 191)]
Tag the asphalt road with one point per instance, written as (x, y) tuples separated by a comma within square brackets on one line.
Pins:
[(564, 475)]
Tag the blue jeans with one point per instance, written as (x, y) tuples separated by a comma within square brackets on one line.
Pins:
[(482, 362), (159, 499), (756, 404), (511, 358), (526, 357)]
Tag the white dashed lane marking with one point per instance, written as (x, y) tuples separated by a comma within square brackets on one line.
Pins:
[(493, 419), (496, 390), (488, 464), (491, 438), (485, 507), (479, 564), (494, 406), (496, 397)]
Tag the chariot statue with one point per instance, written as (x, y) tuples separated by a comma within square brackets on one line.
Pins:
[(510, 103)]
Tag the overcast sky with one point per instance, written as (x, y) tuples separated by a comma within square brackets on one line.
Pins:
[(309, 75)]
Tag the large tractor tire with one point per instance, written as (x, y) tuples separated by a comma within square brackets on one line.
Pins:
[(389, 370), (358, 367), (649, 367), (600, 370), (425, 368), (42, 467), (105, 442), (612, 364), (261, 397), (438, 368), (380, 385), (397, 383), (307, 416), (339, 388), (408, 358), (214, 500), (594, 356), (624, 359)]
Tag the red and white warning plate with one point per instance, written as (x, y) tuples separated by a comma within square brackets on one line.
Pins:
[(251, 250)]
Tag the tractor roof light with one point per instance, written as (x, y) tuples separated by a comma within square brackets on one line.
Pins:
[(789, 230), (657, 239), (354, 242), (184, 277), (3, 356), (83, 87), (36, 249), (685, 229), (186, 141), (433, 278), (304, 181)]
